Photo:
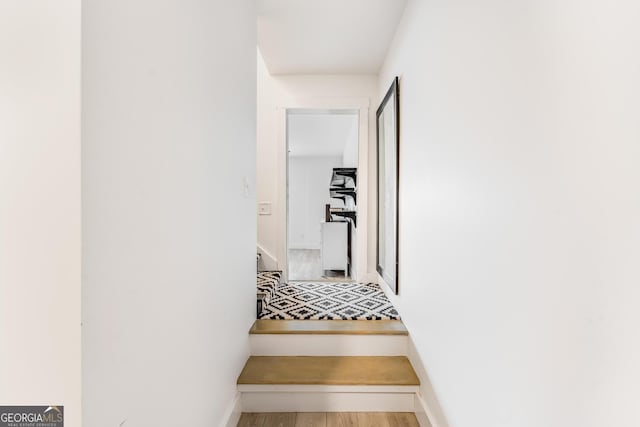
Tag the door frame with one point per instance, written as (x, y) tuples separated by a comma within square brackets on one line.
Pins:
[(361, 105)]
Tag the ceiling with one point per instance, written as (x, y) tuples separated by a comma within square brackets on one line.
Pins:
[(326, 36), (320, 134)]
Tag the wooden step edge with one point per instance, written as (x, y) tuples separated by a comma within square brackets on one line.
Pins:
[(329, 327), (329, 370), (324, 388)]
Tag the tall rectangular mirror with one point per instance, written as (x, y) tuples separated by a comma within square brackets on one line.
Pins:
[(387, 119)]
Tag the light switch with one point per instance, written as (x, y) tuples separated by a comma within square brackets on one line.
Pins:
[(264, 208)]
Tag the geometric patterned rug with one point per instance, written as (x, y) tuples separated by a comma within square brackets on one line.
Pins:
[(329, 301), (267, 282)]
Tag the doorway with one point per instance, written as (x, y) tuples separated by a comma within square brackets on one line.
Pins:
[(322, 176)]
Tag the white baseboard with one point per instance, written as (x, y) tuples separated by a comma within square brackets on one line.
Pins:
[(369, 278), (422, 413), (327, 402), (427, 408), (304, 246), (233, 412)]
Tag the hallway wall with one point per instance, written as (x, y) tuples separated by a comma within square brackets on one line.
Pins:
[(40, 205), (519, 208), (279, 90), (168, 209)]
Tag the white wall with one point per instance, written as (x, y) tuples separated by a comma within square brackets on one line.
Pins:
[(519, 207), (280, 91), (350, 153), (168, 231), (309, 179), (40, 204)]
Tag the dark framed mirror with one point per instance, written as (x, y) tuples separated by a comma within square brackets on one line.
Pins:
[(388, 137)]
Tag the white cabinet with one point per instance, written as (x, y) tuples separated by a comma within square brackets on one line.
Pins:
[(335, 245)]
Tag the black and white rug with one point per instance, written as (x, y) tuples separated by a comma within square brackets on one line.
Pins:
[(267, 283), (329, 301)]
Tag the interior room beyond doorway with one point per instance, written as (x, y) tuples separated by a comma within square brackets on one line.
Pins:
[(322, 158)]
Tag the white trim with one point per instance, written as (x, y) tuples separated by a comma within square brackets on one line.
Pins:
[(426, 404), (421, 412), (327, 345), (328, 402), (327, 103), (362, 197), (282, 164), (321, 388), (304, 246), (233, 412), (359, 104)]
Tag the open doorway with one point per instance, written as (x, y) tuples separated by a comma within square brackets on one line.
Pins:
[(322, 175)]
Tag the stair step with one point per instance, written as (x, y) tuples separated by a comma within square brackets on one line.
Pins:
[(329, 327), (328, 401), (329, 370), (328, 345)]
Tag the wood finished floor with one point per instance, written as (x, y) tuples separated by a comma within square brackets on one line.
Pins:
[(329, 419), (329, 370)]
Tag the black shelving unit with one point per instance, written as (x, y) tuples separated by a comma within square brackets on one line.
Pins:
[(343, 186), (343, 193), (346, 214), (344, 178)]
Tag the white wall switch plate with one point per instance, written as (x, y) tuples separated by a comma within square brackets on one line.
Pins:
[(264, 208)]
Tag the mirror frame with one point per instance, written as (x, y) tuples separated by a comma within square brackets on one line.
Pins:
[(390, 178)]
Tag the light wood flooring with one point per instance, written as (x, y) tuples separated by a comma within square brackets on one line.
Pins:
[(306, 264), (329, 370), (329, 419), (329, 327)]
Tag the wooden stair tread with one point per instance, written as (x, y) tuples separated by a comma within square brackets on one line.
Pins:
[(330, 327), (329, 370)]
